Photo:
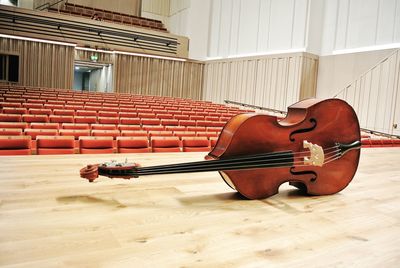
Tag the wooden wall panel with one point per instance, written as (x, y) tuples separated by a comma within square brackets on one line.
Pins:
[(151, 76), (42, 64), (274, 81), (375, 95)]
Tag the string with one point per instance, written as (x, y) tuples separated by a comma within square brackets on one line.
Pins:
[(276, 159), (256, 159), (260, 163)]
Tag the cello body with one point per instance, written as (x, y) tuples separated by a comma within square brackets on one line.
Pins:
[(325, 123)]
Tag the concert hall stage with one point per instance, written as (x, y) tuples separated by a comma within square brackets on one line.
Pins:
[(50, 217)]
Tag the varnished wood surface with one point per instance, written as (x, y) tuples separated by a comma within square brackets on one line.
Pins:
[(49, 217)]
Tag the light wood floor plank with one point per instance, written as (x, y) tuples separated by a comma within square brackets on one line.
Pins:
[(50, 217)]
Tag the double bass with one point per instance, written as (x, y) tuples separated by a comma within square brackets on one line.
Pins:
[(316, 147)]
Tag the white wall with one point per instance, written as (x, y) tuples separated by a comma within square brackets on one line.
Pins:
[(336, 72), (352, 24), (243, 27), (222, 28)]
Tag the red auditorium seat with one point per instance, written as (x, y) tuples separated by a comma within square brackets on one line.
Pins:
[(129, 127), (182, 117), (10, 118), (106, 133), (96, 145), (134, 133), (108, 120), (104, 127), (15, 145), (133, 145), (129, 121), (44, 125), (165, 144), (75, 126), (175, 112), (21, 125), (128, 114), (195, 144), (396, 142), (196, 117), (153, 128), (10, 131), (76, 133), (211, 118), (53, 106), (64, 112), (207, 134), (214, 129), (190, 128), (224, 119), (86, 113), (188, 113), (181, 134), (61, 119), (175, 128), (35, 118), (210, 123), (86, 119), (162, 133), (150, 121), (43, 132), (29, 105), (92, 108), (165, 116), (10, 104), (40, 111), (169, 122), (56, 102), (187, 123), (12, 110), (218, 114), (55, 144), (147, 115), (107, 114)]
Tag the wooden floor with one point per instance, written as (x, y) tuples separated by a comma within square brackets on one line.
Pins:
[(50, 217)]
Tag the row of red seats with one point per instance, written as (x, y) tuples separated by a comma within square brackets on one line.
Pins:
[(109, 16), (69, 93), (77, 133), (86, 126), (21, 145), (76, 94), (190, 126), (109, 120), (96, 106), (119, 112), (82, 98), (380, 142), (63, 99)]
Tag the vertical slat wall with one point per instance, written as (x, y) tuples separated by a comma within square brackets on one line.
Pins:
[(375, 95), (150, 76), (41, 64), (269, 81)]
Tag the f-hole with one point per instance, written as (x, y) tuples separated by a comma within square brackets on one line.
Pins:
[(303, 130), (313, 175)]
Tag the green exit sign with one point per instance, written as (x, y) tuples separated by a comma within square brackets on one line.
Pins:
[(94, 57)]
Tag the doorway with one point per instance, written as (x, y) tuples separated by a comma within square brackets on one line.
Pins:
[(90, 76)]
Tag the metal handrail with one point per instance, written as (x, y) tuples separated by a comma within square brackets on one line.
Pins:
[(48, 5)]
